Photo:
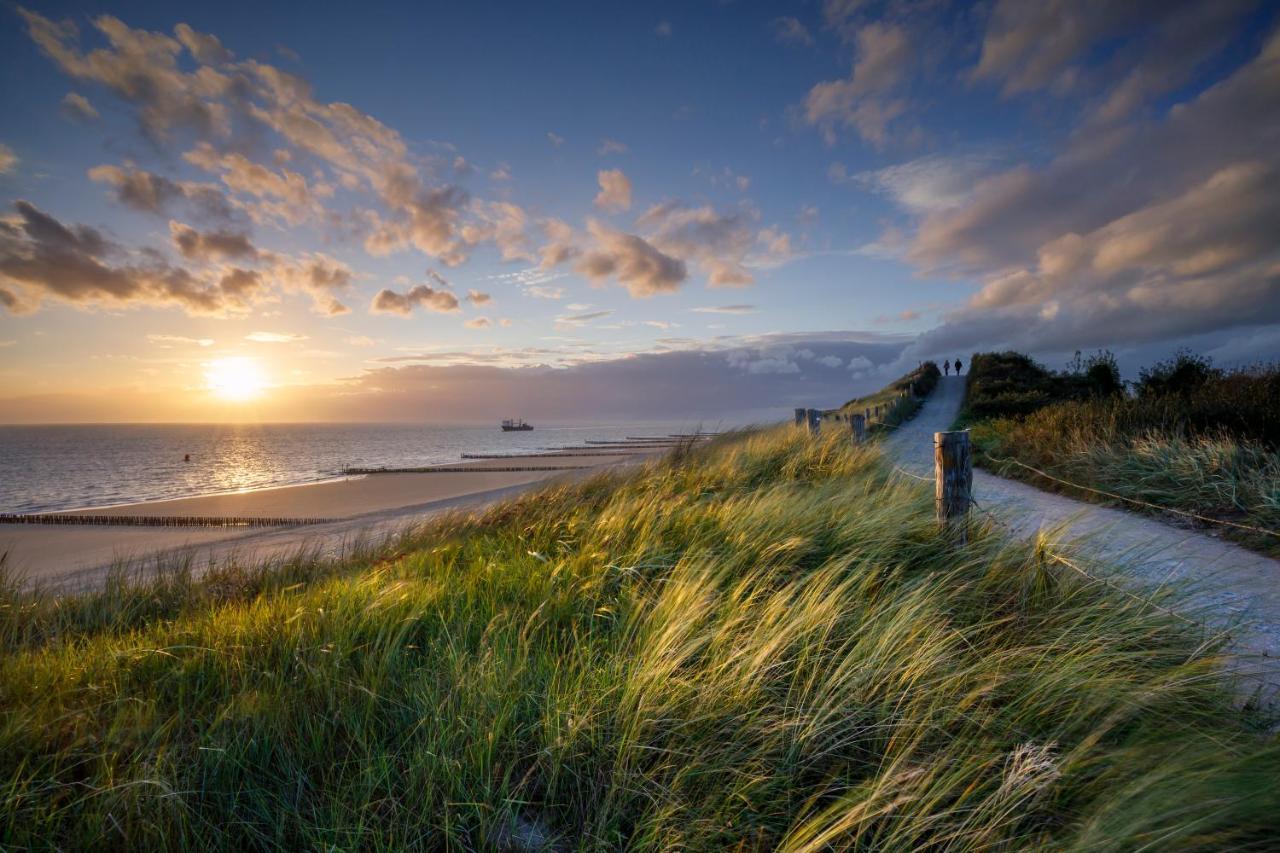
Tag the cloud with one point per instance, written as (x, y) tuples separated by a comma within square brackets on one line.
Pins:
[(204, 47), (611, 146), (555, 139), (424, 296), (77, 108), (274, 337), (475, 297), (319, 276), (1055, 46), (615, 191), (287, 196), (211, 245), (790, 31), (633, 261), (165, 341), (582, 319), (141, 68), (478, 323), (663, 29), (723, 245), (935, 182), (861, 101), (360, 341), (7, 159), (41, 258), (152, 193), (1163, 227), (504, 224), (726, 309)]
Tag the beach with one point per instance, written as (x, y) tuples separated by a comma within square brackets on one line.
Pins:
[(356, 509)]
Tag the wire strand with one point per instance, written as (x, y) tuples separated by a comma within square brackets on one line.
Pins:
[(1136, 501)]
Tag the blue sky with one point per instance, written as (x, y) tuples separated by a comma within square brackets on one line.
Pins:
[(868, 183)]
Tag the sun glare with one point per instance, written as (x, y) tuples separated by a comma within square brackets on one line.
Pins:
[(235, 378)]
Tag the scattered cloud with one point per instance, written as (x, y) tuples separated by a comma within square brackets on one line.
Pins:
[(423, 296), (615, 191), (475, 297), (790, 31), (170, 340), (555, 139), (663, 29), (211, 245), (7, 159), (611, 146), (633, 261), (274, 337), (478, 323), (726, 309), (77, 108)]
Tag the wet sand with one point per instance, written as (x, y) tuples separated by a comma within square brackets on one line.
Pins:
[(374, 504)]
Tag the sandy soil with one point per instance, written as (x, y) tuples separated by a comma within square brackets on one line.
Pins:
[(375, 504)]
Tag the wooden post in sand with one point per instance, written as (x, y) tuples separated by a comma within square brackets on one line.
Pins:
[(800, 417), (858, 426), (953, 474), (815, 421)]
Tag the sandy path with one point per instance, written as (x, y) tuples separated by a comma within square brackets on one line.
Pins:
[(366, 507), (1228, 587)]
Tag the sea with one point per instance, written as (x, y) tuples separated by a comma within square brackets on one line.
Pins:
[(63, 467)]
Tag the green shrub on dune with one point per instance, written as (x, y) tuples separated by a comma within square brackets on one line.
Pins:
[(765, 644), (1191, 438)]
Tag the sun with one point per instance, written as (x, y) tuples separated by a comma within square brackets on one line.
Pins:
[(235, 378)]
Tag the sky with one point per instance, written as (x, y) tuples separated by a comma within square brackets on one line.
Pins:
[(591, 211)]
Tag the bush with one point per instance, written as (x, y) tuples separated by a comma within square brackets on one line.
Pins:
[(1183, 374)]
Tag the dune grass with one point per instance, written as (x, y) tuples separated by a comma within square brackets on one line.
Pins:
[(1191, 438), (760, 644)]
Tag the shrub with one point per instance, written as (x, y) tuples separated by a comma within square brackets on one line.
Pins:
[(1183, 374)]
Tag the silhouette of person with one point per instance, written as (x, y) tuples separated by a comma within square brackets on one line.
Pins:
[(946, 368), (957, 367)]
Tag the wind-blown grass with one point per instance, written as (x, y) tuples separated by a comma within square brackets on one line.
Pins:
[(764, 644)]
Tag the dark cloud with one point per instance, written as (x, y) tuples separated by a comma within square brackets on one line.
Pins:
[(694, 382), (424, 296), (204, 246), (152, 193), (41, 257)]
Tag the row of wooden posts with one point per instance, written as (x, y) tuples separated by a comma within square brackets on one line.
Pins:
[(952, 464)]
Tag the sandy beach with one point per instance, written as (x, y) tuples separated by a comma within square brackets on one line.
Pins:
[(362, 506)]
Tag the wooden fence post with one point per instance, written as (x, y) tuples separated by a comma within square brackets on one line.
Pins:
[(815, 421), (858, 426), (953, 474), (800, 417)]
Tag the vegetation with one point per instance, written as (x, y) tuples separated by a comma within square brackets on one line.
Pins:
[(896, 408), (1190, 437), (765, 643)]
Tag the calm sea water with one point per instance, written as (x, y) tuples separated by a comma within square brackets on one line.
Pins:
[(70, 467)]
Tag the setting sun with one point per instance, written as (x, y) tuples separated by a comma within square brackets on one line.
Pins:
[(235, 378)]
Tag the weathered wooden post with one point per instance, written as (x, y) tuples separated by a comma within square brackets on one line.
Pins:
[(800, 417), (953, 474), (815, 421), (858, 425), (866, 413)]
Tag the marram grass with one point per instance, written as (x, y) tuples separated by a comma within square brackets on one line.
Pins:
[(764, 644)]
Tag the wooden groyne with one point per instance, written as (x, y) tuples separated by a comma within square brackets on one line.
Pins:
[(155, 520)]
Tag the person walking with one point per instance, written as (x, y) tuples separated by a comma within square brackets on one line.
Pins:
[(946, 368), (957, 367)]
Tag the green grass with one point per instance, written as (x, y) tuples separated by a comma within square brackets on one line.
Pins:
[(898, 401), (765, 643), (1205, 446)]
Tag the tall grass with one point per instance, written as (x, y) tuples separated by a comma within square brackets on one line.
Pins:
[(1102, 445), (765, 644)]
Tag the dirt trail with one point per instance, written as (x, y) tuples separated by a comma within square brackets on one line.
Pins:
[(1227, 587)]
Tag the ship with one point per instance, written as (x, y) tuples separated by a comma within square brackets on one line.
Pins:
[(515, 425)]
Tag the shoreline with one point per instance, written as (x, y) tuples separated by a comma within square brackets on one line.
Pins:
[(354, 506)]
